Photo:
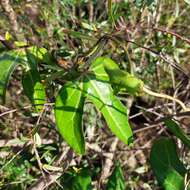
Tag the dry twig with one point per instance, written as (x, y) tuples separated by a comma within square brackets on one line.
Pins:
[(50, 178), (12, 17), (109, 161)]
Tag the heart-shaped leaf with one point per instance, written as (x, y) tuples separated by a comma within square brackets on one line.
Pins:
[(68, 114)]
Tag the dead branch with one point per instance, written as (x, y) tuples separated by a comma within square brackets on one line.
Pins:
[(11, 16), (20, 143), (50, 178), (108, 161)]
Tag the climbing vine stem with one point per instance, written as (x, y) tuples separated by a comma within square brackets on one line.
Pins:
[(148, 91)]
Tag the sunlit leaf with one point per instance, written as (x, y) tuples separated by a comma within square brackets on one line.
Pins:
[(8, 36), (100, 92), (33, 88), (20, 43), (8, 62), (40, 53), (68, 114), (122, 78), (39, 96), (166, 165), (88, 26)]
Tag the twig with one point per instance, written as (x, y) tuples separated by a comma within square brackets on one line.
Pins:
[(118, 38), (145, 128), (25, 107), (38, 159), (109, 161), (13, 110), (42, 183), (161, 56), (25, 145), (173, 34), (148, 110), (20, 143), (95, 147), (90, 10), (35, 130), (12, 17), (50, 178)]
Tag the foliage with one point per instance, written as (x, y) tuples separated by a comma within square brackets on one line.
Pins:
[(116, 180), (68, 112), (165, 162), (80, 180), (80, 64)]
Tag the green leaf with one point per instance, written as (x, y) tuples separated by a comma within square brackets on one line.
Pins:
[(8, 62), (82, 181), (110, 11), (116, 180), (68, 114), (31, 80), (39, 96), (8, 36), (38, 53), (122, 79), (34, 89), (77, 181), (169, 170), (100, 92), (20, 43), (177, 131), (173, 180)]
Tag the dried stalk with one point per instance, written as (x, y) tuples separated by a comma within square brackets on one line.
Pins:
[(109, 161), (12, 17), (50, 178)]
